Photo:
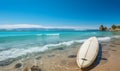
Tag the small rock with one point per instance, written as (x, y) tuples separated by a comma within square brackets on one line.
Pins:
[(18, 65), (35, 68), (51, 55), (112, 45), (104, 58), (71, 56), (114, 50), (6, 62), (38, 57), (59, 49)]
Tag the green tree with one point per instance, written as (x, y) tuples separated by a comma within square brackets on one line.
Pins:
[(118, 26), (105, 28), (113, 26), (101, 27)]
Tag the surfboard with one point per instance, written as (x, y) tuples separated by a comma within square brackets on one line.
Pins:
[(87, 53)]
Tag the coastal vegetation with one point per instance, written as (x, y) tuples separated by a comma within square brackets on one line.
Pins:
[(112, 28), (103, 28)]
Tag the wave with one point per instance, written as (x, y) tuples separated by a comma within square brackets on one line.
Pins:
[(104, 38), (54, 34), (57, 34), (16, 52), (14, 35), (116, 36)]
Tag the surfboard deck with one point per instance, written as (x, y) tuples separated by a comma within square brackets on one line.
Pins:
[(87, 52)]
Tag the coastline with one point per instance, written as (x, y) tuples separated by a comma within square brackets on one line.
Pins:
[(64, 59)]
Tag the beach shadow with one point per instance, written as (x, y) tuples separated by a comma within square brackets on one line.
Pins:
[(97, 60)]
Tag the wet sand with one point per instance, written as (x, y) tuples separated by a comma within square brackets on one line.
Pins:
[(64, 59)]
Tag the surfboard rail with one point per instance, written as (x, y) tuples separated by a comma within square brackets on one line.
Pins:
[(87, 53)]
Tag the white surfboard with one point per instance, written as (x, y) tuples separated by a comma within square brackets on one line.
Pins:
[(87, 52)]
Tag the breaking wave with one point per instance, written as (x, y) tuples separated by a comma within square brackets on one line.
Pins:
[(15, 52)]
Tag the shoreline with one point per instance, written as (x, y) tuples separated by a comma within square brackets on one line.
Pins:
[(64, 59)]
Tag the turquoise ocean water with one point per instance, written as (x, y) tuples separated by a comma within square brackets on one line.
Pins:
[(18, 43)]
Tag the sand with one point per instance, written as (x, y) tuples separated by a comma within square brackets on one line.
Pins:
[(64, 59)]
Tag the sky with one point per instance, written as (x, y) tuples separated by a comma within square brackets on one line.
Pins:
[(59, 13)]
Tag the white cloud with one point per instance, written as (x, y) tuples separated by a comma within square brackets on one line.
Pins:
[(14, 26)]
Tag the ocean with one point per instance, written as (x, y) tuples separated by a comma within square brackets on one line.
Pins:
[(15, 44)]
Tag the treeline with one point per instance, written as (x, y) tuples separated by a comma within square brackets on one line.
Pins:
[(103, 28), (115, 27), (112, 28)]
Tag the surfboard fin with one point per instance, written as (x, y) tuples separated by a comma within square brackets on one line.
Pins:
[(84, 59)]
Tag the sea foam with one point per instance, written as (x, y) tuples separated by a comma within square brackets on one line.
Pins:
[(116, 36), (56, 34), (16, 52), (52, 34), (104, 38)]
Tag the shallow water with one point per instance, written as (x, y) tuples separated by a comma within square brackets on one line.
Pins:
[(63, 58), (14, 44)]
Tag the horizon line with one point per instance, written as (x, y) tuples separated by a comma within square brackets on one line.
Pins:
[(18, 26)]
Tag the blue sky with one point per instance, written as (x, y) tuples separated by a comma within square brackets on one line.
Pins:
[(73, 13)]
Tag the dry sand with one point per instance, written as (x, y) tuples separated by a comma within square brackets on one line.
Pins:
[(61, 59)]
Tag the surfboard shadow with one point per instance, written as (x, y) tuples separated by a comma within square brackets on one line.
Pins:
[(97, 60)]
